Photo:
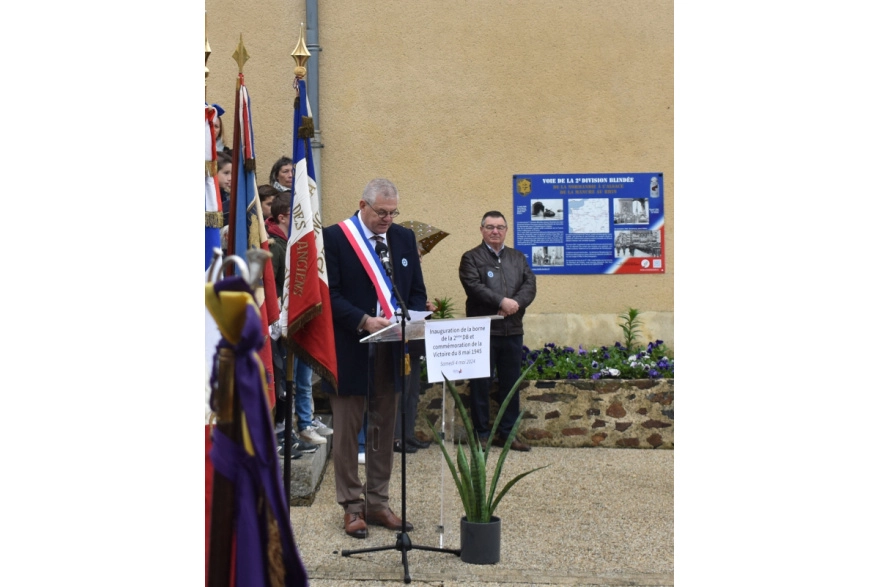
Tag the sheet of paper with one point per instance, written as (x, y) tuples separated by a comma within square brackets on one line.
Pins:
[(458, 349)]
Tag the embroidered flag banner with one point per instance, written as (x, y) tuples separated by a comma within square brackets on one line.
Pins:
[(305, 314)]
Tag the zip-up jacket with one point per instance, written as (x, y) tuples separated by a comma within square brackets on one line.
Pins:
[(488, 278), (278, 248)]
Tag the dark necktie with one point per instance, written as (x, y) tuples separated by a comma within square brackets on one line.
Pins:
[(376, 240)]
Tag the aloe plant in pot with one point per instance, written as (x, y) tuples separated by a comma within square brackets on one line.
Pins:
[(480, 529)]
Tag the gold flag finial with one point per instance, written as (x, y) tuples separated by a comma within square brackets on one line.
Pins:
[(241, 54), (207, 49), (301, 54)]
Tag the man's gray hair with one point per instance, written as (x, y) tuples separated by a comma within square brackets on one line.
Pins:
[(379, 187)]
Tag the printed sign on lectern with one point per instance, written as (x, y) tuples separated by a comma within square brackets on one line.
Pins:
[(457, 348)]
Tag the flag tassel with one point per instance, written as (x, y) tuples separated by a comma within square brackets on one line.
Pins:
[(303, 355)]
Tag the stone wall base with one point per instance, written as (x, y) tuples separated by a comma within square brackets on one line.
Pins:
[(636, 413)]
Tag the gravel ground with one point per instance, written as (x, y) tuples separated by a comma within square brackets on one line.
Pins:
[(596, 516)]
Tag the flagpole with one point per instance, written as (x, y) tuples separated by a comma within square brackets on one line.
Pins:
[(240, 56), (301, 55), (223, 499)]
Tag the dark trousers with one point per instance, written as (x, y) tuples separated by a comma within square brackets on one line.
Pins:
[(505, 356)]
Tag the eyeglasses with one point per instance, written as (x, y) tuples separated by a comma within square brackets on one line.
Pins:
[(491, 227), (383, 214)]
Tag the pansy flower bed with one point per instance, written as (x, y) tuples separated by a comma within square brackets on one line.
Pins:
[(564, 362)]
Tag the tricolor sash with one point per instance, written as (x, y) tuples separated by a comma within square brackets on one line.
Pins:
[(354, 232)]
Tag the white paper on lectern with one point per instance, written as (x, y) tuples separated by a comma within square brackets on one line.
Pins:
[(457, 348)]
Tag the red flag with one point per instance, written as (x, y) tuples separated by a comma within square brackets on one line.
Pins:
[(306, 318)]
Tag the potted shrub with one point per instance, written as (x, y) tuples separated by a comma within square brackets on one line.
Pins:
[(480, 529), (445, 308)]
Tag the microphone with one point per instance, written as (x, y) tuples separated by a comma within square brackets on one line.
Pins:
[(382, 251)]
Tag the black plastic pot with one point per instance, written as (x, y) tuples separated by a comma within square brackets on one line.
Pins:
[(481, 541)]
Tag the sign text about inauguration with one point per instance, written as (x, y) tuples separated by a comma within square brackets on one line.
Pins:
[(458, 349)]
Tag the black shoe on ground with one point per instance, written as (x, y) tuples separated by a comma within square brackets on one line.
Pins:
[(417, 443), (398, 447), (302, 446), (294, 454), (297, 443)]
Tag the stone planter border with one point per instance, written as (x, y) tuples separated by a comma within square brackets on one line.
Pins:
[(625, 413)]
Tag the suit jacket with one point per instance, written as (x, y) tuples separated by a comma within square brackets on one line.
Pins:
[(352, 295)]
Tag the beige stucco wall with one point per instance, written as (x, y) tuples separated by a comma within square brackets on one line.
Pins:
[(450, 99)]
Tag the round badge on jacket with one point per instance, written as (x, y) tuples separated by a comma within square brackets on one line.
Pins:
[(404, 262), (490, 274)]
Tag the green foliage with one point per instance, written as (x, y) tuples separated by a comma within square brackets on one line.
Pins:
[(556, 362), (445, 308), (630, 327), (423, 373), (470, 476)]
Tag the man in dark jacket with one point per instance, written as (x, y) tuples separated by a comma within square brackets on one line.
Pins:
[(363, 301), (497, 280)]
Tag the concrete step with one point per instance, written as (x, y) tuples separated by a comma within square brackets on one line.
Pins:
[(307, 471)]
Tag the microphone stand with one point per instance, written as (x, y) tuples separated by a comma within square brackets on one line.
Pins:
[(403, 543)]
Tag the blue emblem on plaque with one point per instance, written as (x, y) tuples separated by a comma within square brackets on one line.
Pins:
[(490, 274)]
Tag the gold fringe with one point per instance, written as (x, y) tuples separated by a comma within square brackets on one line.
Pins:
[(317, 367), (304, 319), (274, 553), (307, 128), (210, 168), (253, 236), (213, 219)]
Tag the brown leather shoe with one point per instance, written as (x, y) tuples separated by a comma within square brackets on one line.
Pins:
[(515, 445), (520, 446), (354, 525), (388, 519)]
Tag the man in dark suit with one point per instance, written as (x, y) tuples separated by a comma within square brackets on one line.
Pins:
[(363, 302)]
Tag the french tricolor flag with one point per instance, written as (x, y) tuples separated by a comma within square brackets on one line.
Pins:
[(306, 317)]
